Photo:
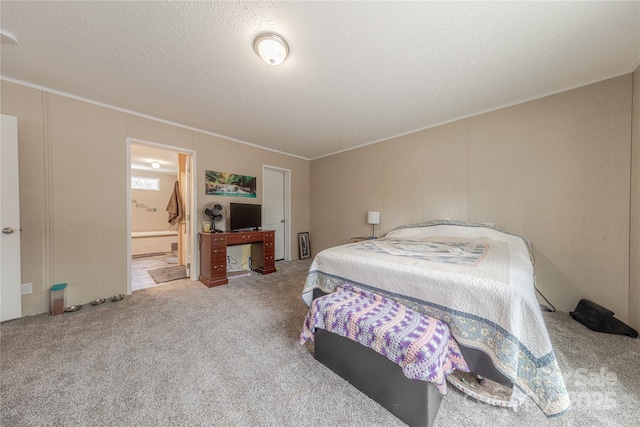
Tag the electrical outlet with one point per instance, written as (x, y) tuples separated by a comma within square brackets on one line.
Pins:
[(26, 288)]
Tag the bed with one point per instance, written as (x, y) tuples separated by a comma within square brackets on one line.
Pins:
[(474, 277)]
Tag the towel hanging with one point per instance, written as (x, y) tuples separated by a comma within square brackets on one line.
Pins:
[(175, 207)]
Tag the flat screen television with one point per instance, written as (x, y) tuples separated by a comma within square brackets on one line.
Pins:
[(244, 216)]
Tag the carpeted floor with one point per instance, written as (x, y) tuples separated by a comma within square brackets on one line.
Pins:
[(186, 355)]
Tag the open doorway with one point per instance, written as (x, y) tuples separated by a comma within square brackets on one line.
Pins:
[(161, 203)]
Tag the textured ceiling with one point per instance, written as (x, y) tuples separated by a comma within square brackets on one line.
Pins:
[(358, 72)]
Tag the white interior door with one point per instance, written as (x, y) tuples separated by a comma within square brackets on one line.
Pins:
[(10, 295), (274, 208)]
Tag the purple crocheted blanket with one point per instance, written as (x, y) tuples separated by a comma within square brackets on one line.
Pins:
[(421, 345)]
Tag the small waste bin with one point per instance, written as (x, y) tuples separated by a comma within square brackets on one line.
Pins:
[(57, 298)]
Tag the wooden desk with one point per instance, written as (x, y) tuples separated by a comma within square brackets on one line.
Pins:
[(213, 254)]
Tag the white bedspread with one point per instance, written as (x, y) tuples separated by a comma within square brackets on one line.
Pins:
[(476, 279)]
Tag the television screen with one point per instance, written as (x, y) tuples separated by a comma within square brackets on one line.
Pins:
[(243, 216)]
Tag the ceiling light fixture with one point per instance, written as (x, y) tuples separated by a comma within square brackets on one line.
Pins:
[(272, 48), (6, 37), (155, 165)]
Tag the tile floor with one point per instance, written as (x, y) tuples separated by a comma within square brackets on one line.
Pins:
[(140, 279)]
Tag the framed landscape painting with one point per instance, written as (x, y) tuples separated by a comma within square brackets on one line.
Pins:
[(229, 184)]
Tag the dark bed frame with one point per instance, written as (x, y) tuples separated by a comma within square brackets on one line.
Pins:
[(414, 402)]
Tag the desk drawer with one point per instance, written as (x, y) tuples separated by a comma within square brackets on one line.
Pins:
[(218, 252), (218, 270), (218, 240), (242, 238)]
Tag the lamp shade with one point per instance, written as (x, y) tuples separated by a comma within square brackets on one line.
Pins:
[(373, 217)]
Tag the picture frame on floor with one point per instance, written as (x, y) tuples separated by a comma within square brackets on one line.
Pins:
[(304, 245)]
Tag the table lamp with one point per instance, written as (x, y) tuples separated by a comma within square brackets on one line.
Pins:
[(373, 218)]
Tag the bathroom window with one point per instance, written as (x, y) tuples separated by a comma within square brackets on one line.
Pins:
[(139, 183)]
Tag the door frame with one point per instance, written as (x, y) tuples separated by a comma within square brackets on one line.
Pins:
[(195, 259), (287, 205)]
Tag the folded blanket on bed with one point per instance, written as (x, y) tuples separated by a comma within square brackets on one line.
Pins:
[(421, 345)]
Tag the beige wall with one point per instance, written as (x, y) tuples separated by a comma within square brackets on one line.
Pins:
[(73, 198), (634, 271), (87, 198), (556, 170), (143, 218)]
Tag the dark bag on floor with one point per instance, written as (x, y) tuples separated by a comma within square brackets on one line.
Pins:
[(598, 318)]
